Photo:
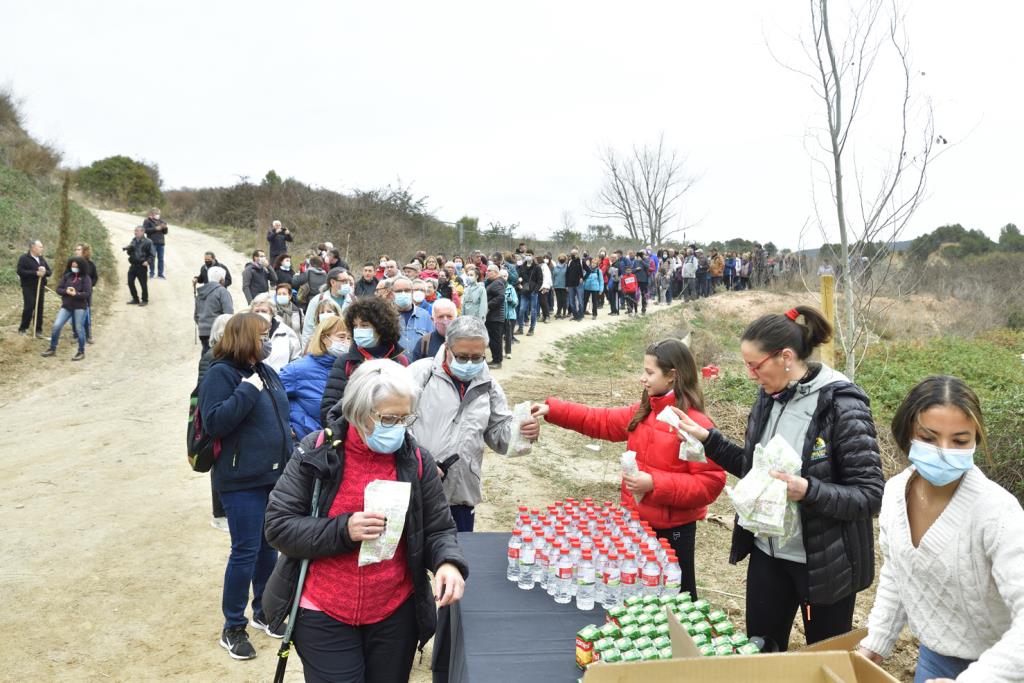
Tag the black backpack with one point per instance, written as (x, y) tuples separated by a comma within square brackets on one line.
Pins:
[(203, 450)]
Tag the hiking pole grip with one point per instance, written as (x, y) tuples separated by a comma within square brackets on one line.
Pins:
[(283, 651)]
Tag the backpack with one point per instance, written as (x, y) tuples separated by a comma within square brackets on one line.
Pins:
[(302, 296), (629, 283), (203, 450), (424, 346)]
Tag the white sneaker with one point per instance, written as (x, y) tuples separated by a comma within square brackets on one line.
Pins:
[(220, 524)]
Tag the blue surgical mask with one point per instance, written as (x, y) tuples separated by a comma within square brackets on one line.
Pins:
[(345, 289), (283, 299), (940, 466), (338, 348), (266, 349), (364, 337), (458, 267), (466, 371), (403, 299), (386, 439)]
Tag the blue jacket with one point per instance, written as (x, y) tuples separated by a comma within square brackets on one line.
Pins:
[(304, 380), (594, 281), (433, 346), (417, 325), (252, 425), (511, 301), (558, 275)]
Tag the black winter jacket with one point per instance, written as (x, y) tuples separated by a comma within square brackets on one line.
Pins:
[(532, 278), (203, 278), (27, 268), (495, 301), (278, 242), (844, 492), (155, 230), (140, 251), (344, 366), (574, 272), (429, 533)]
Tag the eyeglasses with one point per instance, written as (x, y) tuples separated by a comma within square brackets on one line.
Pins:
[(392, 420), (463, 358), (755, 368)]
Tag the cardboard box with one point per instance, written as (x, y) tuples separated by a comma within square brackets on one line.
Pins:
[(830, 661)]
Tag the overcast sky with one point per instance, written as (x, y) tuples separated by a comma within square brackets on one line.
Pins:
[(499, 111)]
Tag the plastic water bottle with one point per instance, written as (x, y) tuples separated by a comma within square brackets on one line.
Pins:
[(600, 557), (575, 554), (585, 582), (673, 576), (563, 594), (514, 544), (651, 577), (552, 570), (540, 558), (527, 558), (629, 576), (611, 581)]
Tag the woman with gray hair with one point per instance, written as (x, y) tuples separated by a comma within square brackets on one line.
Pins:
[(212, 299), (363, 623)]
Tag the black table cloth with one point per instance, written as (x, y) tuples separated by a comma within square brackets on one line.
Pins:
[(500, 633)]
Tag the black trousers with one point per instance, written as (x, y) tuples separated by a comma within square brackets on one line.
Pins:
[(509, 334), (138, 273), (218, 507), (776, 589), (28, 300), (495, 330), (205, 341), (591, 298), (643, 295), (545, 307), (333, 652), (683, 540), (560, 309)]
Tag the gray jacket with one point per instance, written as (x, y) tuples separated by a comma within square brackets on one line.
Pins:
[(474, 302), (792, 420), (211, 300), (450, 425)]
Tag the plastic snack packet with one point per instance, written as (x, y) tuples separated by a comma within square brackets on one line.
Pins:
[(629, 468), (690, 449), (391, 499), (517, 443)]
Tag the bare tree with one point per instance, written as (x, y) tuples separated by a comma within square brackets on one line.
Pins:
[(886, 197), (568, 221), (644, 190)]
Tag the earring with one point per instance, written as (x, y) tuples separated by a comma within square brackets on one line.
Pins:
[(787, 369)]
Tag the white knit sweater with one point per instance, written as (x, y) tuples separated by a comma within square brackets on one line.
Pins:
[(962, 590)]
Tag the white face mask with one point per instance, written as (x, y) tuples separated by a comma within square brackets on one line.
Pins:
[(327, 314), (74, 269), (266, 316), (418, 296), (286, 265)]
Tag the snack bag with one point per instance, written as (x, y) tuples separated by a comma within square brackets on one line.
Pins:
[(629, 467), (391, 499), (690, 449), (517, 444), (760, 499)]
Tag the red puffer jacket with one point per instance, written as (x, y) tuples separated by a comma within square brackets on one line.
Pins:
[(682, 490)]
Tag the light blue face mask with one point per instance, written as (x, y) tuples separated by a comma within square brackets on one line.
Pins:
[(403, 299), (282, 299), (345, 289), (386, 439), (466, 371), (364, 337), (940, 466)]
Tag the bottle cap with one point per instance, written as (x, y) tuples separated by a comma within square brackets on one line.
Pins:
[(564, 551), (517, 532)]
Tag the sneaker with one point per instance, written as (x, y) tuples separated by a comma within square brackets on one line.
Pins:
[(260, 621), (49, 352), (519, 330), (88, 340), (143, 303), (161, 277), (530, 333), (494, 366), (133, 302), (236, 641), (220, 524), (515, 340), (23, 333), (79, 356)]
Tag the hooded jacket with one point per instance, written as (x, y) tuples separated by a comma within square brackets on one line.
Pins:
[(682, 490), (843, 469), (474, 301), (83, 290), (304, 381), (211, 300), (456, 422), (343, 367), (429, 533)]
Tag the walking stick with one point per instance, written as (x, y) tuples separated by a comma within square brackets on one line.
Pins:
[(35, 308), (282, 653), (195, 324)]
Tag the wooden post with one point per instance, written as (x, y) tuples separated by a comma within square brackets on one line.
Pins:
[(828, 309)]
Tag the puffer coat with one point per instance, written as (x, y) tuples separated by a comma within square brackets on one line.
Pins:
[(844, 473)]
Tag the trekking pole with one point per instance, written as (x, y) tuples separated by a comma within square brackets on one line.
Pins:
[(195, 324), (282, 653), (35, 308)]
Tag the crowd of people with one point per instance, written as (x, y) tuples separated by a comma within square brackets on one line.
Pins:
[(333, 377)]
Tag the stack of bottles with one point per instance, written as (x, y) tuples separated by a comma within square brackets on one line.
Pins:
[(590, 553), (638, 630)]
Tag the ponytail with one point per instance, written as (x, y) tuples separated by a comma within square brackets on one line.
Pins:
[(802, 329)]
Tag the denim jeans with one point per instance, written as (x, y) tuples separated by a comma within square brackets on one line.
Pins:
[(931, 664), (528, 304), (252, 559), (463, 516), (575, 304), (159, 249), (64, 315)]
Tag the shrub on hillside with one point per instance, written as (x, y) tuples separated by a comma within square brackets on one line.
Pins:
[(122, 181), (17, 148)]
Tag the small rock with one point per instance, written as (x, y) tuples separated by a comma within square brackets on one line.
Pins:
[(18, 507), (593, 447)]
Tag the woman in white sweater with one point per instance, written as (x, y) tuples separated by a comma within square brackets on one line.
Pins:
[(953, 547)]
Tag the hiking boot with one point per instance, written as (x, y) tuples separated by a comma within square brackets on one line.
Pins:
[(79, 356), (88, 340), (133, 302), (260, 621), (143, 303), (519, 330), (236, 641), (530, 333), (49, 352), (220, 524)]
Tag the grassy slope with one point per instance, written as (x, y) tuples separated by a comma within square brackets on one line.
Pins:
[(30, 209)]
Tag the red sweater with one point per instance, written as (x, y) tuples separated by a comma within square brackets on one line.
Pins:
[(682, 490), (337, 585)]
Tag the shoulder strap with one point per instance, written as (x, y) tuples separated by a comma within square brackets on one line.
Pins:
[(424, 345), (419, 464)]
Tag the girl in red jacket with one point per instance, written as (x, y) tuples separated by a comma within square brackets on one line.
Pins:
[(675, 493)]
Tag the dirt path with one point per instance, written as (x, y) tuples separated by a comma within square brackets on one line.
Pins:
[(111, 569)]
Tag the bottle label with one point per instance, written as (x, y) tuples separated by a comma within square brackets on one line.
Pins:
[(652, 580), (611, 578), (586, 576), (629, 578), (513, 553), (565, 572), (527, 556)]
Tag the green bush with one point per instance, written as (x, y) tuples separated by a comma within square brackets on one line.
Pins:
[(121, 180)]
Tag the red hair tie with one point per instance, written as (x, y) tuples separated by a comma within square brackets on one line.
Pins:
[(792, 314)]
